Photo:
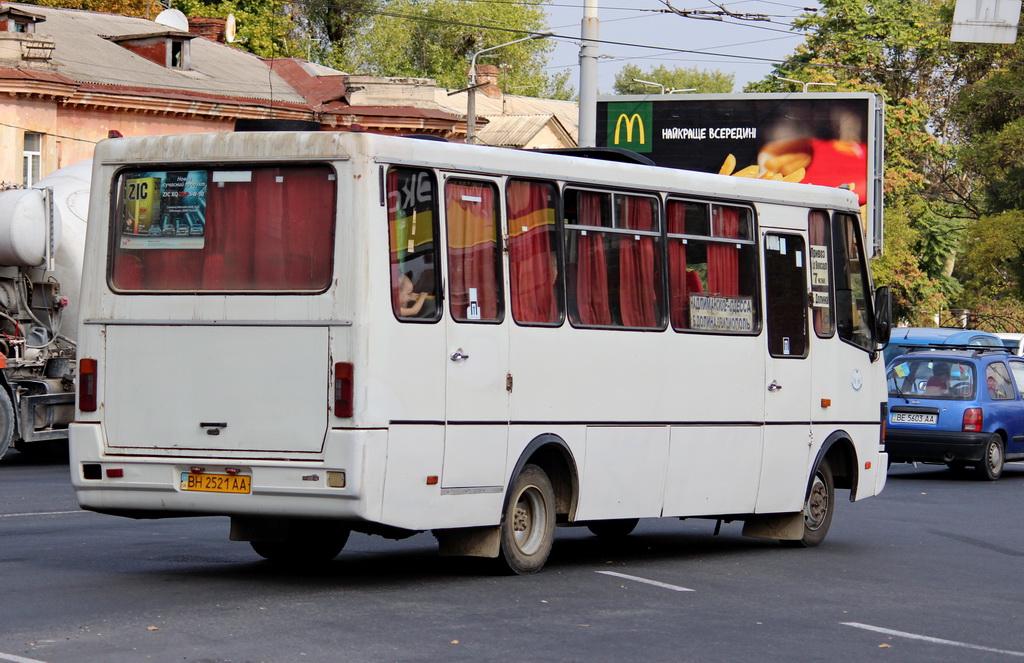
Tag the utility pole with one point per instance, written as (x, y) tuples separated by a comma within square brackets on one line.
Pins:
[(589, 31)]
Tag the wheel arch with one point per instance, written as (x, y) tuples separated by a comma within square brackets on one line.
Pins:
[(838, 448), (551, 453)]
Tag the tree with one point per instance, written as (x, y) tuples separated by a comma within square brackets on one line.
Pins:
[(436, 39), (901, 50), (676, 78)]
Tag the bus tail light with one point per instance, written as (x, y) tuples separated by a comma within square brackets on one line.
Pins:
[(87, 370), (972, 420), (343, 389)]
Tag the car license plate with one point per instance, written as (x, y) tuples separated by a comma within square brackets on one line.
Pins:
[(913, 418), (216, 483)]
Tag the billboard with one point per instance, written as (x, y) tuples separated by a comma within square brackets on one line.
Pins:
[(835, 138)]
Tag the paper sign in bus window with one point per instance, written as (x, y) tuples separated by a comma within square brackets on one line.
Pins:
[(165, 210)]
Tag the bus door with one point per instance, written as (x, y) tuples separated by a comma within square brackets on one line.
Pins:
[(787, 376), (477, 397)]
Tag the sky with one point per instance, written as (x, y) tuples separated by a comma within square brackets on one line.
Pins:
[(645, 35)]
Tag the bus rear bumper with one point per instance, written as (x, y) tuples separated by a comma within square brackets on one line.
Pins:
[(332, 485)]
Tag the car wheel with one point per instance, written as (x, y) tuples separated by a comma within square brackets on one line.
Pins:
[(990, 467)]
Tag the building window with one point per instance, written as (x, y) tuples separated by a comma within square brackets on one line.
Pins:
[(178, 54), (31, 155)]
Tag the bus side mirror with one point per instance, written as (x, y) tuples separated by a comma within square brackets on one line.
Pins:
[(883, 316)]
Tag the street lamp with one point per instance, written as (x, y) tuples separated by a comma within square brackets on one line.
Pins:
[(662, 87), (471, 89), (806, 85)]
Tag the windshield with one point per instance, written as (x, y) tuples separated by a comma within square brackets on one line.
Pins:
[(932, 378)]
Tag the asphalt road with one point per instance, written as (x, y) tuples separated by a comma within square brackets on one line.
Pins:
[(924, 572)]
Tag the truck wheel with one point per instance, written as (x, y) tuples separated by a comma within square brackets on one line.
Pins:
[(528, 525), (6, 422), (818, 508)]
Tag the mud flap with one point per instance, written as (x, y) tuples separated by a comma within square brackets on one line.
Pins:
[(469, 541), (782, 526)]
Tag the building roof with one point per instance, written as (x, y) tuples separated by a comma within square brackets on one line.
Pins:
[(86, 51), (520, 130), (510, 104)]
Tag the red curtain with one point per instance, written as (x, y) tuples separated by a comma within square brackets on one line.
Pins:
[(472, 255), (682, 281), (592, 267), (274, 233), (532, 261), (723, 259), (637, 274)]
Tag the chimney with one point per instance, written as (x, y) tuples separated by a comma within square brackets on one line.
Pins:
[(488, 73), (211, 28)]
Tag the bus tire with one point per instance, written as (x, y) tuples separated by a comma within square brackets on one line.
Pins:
[(528, 524), (818, 508), (613, 529), (6, 421), (302, 547)]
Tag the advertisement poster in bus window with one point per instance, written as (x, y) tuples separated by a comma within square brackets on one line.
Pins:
[(828, 139), (164, 210)]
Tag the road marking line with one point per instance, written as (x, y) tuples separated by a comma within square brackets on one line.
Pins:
[(18, 659), (926, 638), (40, 513), (674, 588)]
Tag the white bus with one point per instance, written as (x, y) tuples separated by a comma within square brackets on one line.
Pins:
[(318, 333)]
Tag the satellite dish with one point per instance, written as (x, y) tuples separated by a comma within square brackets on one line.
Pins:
[(174, 19), (229, 29)]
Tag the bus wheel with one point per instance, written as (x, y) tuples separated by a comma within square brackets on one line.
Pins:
[(528, 526), (990, 467), (818, 508), (302, 547), (613, 529)]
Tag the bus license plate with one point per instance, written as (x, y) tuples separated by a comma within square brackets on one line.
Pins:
[(216, 483), (913, 418)]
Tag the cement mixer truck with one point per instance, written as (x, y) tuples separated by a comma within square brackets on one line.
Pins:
[(42, 235)]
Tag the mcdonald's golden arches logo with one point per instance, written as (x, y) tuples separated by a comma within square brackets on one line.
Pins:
[(630, 125)]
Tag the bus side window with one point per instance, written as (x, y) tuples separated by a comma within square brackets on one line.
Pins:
[(853, 317), (785, 292), (712, 268), (533, 253), (613, 260), (474, 254), (412, 226), (821, 286)]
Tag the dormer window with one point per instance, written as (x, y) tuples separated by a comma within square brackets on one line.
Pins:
[(17, 20), (167, 49)]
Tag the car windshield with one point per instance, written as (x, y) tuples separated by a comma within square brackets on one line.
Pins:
[(924, 377)]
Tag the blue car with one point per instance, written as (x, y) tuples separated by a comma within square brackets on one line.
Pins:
[(957, 407), (905, 339)]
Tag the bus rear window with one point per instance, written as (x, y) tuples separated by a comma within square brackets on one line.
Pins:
[(199, 229)]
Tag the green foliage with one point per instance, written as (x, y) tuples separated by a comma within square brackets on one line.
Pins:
[(676, 78), (141, 8), (264, 25), (992, 261), (437, 38)]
